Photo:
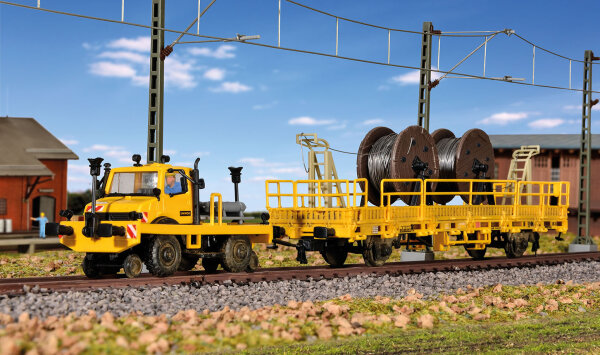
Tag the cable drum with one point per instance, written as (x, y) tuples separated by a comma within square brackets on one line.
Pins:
[(384, 154), (457, 156)]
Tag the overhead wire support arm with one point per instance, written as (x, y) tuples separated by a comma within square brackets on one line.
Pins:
[(169, 49), (367, 61)]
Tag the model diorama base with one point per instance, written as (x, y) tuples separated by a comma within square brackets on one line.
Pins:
[(416, 255), (581, 248)]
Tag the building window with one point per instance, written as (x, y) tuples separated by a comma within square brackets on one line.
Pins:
[(555, 169), (540, 162), (2, 206)]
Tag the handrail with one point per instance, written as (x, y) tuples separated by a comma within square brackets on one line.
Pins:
[(212, 208), (349, 194)]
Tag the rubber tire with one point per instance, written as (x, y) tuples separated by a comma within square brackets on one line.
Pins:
[(237, 251), (157, 262), (253, 264), (335, 256), (369, 252), (211, 265), (516, 245), (90, 269), (476, 254), (188, 262), (132, 266)]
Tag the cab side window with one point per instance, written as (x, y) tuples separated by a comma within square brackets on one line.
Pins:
[(175, 184)]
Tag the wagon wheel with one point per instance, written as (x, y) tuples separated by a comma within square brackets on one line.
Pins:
[(237, 251), (164, 255), (517, 243), (253, 264), (335, 255), (376, 251), (90, 266), (132, 265), (475, 254)]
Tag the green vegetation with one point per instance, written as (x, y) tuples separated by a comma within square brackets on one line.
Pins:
[(500, 319)]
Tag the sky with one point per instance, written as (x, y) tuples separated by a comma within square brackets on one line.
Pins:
[(239, 105)]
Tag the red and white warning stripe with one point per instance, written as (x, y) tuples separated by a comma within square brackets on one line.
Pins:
[(131, 231), (144, 217), (99, 208)]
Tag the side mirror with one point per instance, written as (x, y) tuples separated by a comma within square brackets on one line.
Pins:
[(201, 184), (156, 192), (184, 184)]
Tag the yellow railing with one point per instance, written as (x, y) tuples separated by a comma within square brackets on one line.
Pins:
[(350, 190), (212, 208)]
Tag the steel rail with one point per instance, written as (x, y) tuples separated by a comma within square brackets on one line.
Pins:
[(197, 278)]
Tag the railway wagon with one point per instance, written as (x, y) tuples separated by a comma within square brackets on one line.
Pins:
[(333, 217)]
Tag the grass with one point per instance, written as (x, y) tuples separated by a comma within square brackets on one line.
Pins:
[(562, 317), (577, 333)]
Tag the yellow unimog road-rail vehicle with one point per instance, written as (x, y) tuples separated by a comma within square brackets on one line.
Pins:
[(332, 216), (151, 214)]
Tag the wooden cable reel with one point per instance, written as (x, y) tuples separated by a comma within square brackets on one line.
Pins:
[(462, 158), (408, 155)]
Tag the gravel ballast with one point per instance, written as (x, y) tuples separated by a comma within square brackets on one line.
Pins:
[(171, 299)]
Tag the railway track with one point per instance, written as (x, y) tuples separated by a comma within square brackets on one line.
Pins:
[(66, 283)]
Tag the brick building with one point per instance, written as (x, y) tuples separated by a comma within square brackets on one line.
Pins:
[(33, 172), (557, 161)]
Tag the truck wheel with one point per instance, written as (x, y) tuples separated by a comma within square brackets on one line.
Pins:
[(211, 264), (516, 244), (164, 255), (475, 254), (236, 253), (335, 255), (132, 265), (90, 266), (376, 251), (188, 261), (253, 264)]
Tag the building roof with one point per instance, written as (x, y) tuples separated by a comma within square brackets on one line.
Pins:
[(545, 141), (23, 142)]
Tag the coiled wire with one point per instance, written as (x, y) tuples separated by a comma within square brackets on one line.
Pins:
[(447, 157), (380, 157)]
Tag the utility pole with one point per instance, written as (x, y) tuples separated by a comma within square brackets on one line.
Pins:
[(425, 76), (157, 83), (583, 241)]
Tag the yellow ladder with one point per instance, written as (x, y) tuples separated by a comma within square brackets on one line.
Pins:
[(520, 167), (318, 146)]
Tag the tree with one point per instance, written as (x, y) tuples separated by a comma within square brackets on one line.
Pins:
[(78, 200)]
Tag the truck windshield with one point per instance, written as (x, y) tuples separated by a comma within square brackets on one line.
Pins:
[(138, 183)]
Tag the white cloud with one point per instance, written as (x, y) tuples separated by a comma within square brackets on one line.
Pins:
[(78, 169), (69, 141), (139, 44), (118, 70), (546, 123), (169, 151), (374, 121), (309, 121), (503, 118), (412, 77), (125, 55), (264, 106), (99, 147), (337, 127), (179, 73), (289, 170), (224, 51), (578, 107), (232, 87), (262, 178), (214, 74), (201, 154)]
